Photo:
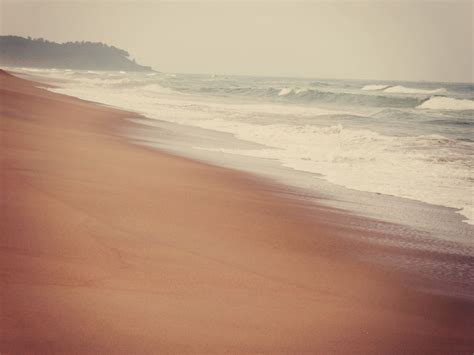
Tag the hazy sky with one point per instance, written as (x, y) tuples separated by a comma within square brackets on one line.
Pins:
[(372, 39)]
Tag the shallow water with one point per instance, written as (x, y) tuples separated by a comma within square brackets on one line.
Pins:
[(411, 140)]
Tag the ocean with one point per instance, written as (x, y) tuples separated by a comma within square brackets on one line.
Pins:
[(412, 140), (398, 154)]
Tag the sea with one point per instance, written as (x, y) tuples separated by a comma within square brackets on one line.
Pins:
[(395, 152)]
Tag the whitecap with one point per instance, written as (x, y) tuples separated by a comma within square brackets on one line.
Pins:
[(374, 87), (285, 91), (404, 90), (447, 103)]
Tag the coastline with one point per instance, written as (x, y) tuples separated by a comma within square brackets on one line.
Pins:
[(113, 247)]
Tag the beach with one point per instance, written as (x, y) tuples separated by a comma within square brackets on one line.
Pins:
[(112, 247)]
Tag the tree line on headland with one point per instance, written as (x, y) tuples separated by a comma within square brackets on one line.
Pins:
[(40, 53)]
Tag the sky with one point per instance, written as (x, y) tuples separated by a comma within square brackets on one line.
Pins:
[(367, 39)]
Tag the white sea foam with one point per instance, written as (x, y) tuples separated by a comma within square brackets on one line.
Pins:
[(404, 90), (299, 91), (285, 91), (156, 88), (410, 167), (288, 91), (374, 87), (447, 103)]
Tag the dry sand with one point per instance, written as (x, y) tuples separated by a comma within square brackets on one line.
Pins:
[(108, 247)]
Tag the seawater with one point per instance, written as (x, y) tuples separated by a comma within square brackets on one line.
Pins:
[(400, 152), (406, 139)]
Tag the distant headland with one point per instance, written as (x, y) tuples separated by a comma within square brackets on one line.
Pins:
[(40, 53)]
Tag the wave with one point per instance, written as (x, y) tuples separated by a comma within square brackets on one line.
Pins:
[(374, 87), (288, 91), (290, 94), (429, 168), (447, 103), (155, 88), (398, 89), (285, 91), (319, 83), (350, 99), (307, 96)]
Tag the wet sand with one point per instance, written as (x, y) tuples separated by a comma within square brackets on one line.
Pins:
[(109, 247)]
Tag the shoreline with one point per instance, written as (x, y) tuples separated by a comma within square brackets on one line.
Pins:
[(440, 219), (361, 167), (146, 132), (423, 213), (125, 248), (397, 237)]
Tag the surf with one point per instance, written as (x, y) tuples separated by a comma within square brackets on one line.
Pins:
[(447, 103)]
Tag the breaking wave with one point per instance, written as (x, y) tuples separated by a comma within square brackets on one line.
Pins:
[(404, 90), (285, 91), (348, 99), (308, 96), (417, 167), (447, 103), (399, 89), (374, 87)]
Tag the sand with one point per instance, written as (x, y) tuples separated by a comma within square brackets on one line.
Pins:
[(109, 247)]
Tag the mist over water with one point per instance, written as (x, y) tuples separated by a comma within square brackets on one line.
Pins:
[(406, 139)]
